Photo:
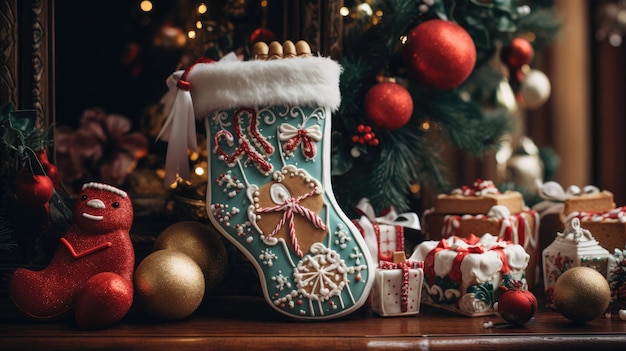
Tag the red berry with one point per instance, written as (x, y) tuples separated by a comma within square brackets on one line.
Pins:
[(33, 190)]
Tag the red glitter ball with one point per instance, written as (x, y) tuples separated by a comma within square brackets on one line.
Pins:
[(388, 106), (439, 54), (517, 306)]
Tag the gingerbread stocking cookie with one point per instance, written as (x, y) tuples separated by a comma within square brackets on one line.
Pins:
[(269, 192), (91, 272)]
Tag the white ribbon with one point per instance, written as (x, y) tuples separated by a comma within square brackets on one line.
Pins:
[(554, 196), (369, 219), (287, 131), (179, 130), (408, 220)]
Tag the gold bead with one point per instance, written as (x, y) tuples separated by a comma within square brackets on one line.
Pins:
[(275, 51), (259, 51), (289, 49)]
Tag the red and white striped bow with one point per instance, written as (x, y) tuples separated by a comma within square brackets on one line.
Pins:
[(294, 136)]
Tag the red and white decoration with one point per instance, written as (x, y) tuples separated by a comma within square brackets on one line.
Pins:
[(397, 288), (384, 235), (479, 188), (514, 227), (458, 270)]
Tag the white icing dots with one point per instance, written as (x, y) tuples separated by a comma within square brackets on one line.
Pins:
[(268, 257)]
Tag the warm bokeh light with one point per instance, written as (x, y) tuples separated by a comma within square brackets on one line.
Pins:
[(264, 3), (191, 34), (193, 156), (403, 39), (199, 171), (415, 188), (199, 24), (202, 9), (145, 6), (365, 7), (425, 125), (344, 11)]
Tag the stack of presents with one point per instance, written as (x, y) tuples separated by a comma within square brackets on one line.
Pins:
[(477, 241)]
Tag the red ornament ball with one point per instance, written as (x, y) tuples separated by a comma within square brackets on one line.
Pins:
[(33, 190), (439, 54), (388, 105), (517, 306), (519, 53)]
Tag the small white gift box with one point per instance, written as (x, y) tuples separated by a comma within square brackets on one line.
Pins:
[(397, 288)]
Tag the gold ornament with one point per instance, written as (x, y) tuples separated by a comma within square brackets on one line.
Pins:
[(169, 284), (200, 242), (581, 294)]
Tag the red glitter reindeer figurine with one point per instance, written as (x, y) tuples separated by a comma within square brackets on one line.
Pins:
[(91, 272)]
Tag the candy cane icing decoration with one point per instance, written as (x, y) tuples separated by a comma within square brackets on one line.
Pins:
[(289, 207), (244, 145)]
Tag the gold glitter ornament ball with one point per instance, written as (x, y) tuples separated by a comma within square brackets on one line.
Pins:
[(200, 242), (169, 285), (581, 294)]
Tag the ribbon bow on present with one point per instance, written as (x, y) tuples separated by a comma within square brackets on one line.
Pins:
[(473, 247), (554, 196), (369, 226)]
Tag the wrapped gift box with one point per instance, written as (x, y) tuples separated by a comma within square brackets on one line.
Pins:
[(482, 209), (386, 234), (574, 247), (594, 207), (397, 288), (607, 227), (462, 274)]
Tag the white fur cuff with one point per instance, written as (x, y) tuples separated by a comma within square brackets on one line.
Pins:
[(299, 81)]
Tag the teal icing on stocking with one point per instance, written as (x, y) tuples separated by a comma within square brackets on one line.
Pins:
[(270, 195)]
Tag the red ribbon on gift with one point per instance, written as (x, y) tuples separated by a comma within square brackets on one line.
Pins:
[(405, 267), (388, 217), (455, 271)]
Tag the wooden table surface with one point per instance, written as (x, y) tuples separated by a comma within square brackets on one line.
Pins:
[(247, 323)]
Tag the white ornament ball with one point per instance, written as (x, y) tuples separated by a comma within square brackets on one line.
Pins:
[(535, 89)]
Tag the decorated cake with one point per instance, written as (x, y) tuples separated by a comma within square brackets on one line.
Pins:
[(480, 209), (574, 247), (595, 209), (462, 274)]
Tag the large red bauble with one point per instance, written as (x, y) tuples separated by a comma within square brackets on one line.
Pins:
[(388, 105), (519, 53), (439, 54), (517, 306)]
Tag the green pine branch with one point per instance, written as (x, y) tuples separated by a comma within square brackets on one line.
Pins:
[(469, 118)]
